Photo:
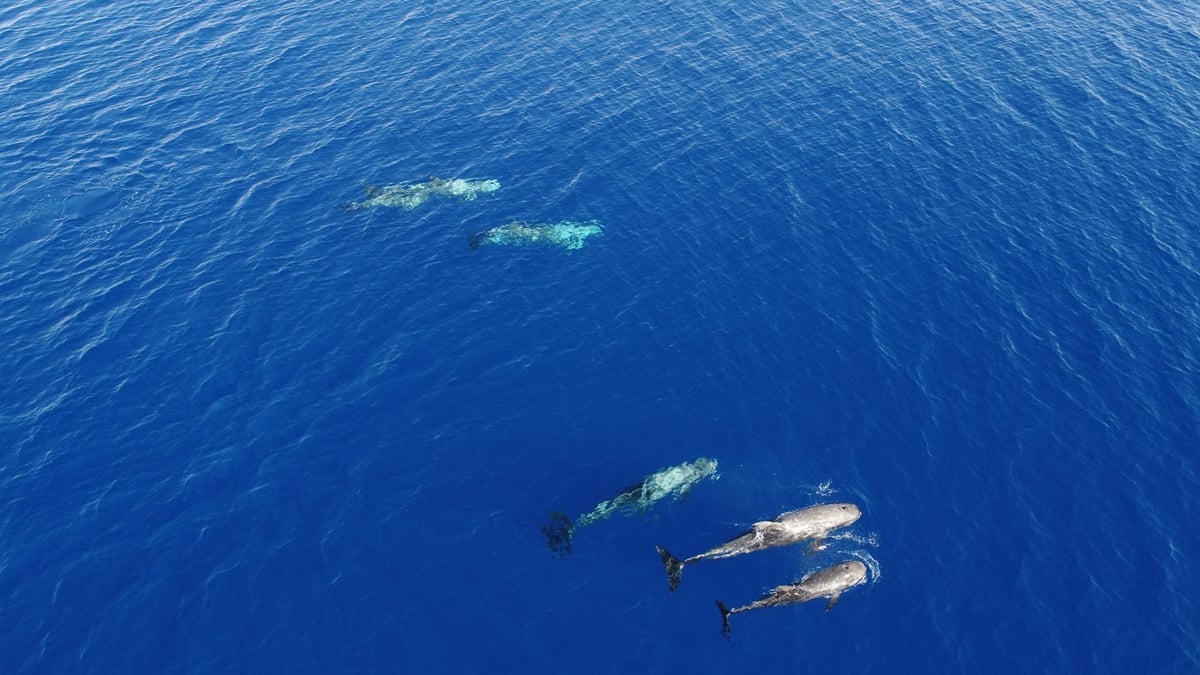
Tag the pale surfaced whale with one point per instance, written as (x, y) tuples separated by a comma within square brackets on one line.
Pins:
[(673, 481), (410, 195), (568, 234), (826, 583), (811, 524)]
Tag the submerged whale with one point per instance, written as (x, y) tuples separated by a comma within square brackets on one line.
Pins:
[(673, 481), (811, 524), (568, 234), (410, 196), (826, 583)]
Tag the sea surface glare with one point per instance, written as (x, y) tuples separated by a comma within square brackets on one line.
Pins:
[(937, 259)]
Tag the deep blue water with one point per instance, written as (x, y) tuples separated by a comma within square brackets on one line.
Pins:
[(940, 256)]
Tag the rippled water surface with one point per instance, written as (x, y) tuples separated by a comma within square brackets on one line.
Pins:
[(937, 259)]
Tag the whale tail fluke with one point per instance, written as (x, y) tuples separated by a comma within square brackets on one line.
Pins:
[(725, 630), (674, 567), (559, 533)]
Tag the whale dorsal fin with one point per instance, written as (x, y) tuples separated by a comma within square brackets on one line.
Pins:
[(766, 529)]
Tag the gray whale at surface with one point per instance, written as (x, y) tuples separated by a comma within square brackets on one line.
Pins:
[(810, 524), (826, 583), (568, 234), (411, 195), (672, 481)]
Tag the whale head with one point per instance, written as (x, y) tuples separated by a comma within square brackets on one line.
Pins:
[(850, 573), (843, 514), (826, 517)]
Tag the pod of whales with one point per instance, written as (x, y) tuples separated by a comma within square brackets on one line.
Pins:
[(410, 196), (673, 481), (568, 234), (826, 583), (810, 524)]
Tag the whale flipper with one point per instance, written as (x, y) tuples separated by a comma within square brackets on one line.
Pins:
[(674, 567), (815, 546), (833, 600)]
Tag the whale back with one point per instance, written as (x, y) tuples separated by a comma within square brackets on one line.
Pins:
[(830, 580)]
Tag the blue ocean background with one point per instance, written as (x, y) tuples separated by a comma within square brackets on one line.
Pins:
[(940, 259)]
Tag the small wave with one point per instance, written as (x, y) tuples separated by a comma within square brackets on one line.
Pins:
[(871, 539), (825, 489), (874, 569)]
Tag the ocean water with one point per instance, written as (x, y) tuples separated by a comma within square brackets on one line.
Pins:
[(940, 259)]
